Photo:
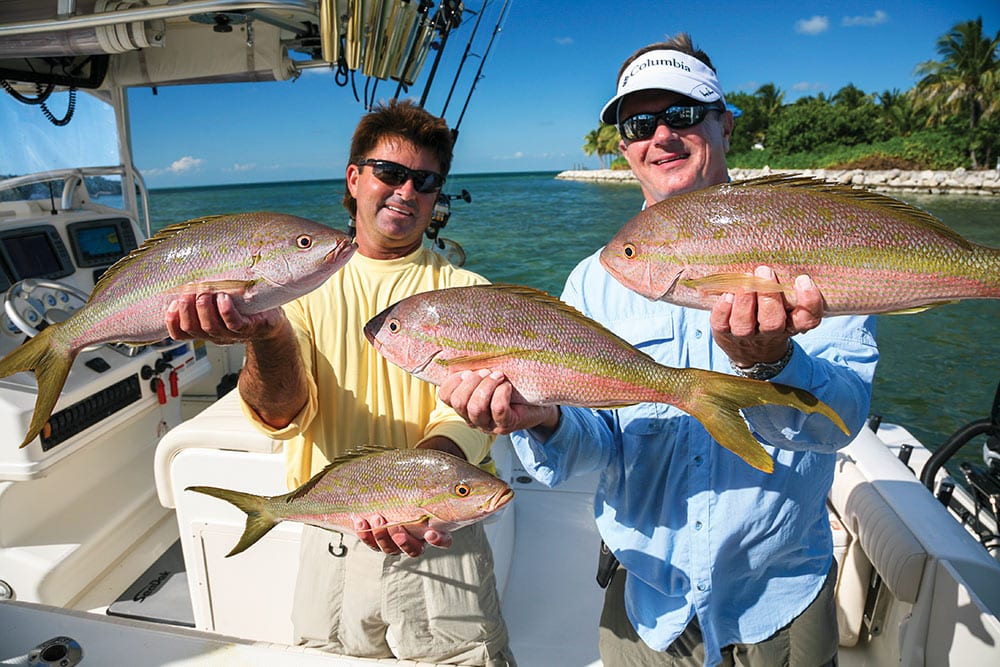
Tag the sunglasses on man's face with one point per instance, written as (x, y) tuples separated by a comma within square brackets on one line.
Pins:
[(642, 126), (394, 175)]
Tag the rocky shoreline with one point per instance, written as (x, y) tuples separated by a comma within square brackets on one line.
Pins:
[(959, 181)]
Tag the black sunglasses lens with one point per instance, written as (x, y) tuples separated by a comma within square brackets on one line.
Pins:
[(389, 174), (394, 175), (638, 127), (643, 125), (425, 181)]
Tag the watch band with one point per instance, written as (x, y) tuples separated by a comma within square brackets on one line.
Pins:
[(765, 370)]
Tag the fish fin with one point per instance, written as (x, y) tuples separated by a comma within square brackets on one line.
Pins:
[(348, 456), (717, 401), (477, 361), (918, 309), (259, 520), (50, 366), (227, 286), (409, 522), (718, 283)]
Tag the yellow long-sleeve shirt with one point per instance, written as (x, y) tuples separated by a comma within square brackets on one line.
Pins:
[(356, 396)]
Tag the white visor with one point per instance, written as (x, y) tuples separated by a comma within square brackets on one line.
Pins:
[(665, 70)]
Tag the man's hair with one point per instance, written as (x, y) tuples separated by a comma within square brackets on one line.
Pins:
[(402, 120), (679, 42)]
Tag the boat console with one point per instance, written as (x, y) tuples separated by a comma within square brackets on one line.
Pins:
[(83, 488)]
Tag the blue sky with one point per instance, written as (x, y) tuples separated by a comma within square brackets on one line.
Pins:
[(550, 70)]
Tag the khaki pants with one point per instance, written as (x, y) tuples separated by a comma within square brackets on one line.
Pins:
[(810, 640), (440, 607)]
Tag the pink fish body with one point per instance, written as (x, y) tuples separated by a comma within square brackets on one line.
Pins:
[(261, 259), (867, 253), (554, 355), (406, 486)]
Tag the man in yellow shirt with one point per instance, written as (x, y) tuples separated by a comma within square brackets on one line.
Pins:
[(312, 379)]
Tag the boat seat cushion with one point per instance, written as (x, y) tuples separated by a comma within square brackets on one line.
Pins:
[(888, 544)]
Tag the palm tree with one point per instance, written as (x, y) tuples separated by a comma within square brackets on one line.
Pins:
[(850, 96), (603, 141), (771, 99), (590, 144), (607, 141), (965, 82), (897, 111)]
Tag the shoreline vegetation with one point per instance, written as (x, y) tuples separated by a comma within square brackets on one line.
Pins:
[(958, 181)]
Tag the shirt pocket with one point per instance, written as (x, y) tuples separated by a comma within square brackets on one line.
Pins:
[(649, 334)]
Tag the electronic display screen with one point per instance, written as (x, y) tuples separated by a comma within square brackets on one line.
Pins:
[(32, 255), (100, 242)]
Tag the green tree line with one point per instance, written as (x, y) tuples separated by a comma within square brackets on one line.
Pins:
[(950, 119)]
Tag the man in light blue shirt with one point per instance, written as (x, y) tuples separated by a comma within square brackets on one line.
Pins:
[(720, 563)]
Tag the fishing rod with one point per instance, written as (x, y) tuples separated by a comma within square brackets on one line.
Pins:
[(448, 16), (465, 56), (496, 29), (442, 207)]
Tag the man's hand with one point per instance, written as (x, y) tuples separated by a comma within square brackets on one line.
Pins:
[(488, 401), (754, 327), (214, 317), (410, 539)]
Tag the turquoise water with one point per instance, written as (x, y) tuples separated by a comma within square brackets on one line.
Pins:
[(939, 369)]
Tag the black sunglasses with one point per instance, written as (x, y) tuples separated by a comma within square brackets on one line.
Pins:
[(642, 126), (394, 174)]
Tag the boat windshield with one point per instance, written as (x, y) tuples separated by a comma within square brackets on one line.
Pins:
[(88, 140)]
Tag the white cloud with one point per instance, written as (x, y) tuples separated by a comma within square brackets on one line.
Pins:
[(185, 164), (244, 167), (878, 18), (807, 87), (516, 155), (813, 26), (564, 41)]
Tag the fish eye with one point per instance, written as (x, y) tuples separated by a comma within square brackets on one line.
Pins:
[(393, 326), (462, 490), (304, 241), (629, 251)]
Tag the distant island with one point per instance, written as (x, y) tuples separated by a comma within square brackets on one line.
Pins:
[(958, 181)]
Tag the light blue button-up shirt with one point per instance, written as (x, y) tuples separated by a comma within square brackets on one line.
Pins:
[(699, 531)]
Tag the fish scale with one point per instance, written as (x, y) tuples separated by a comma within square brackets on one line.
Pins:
[(867, 253)]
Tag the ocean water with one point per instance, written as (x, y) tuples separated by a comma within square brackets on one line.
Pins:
[(938, 371)]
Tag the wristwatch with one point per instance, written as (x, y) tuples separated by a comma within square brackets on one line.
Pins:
[(765, 370)]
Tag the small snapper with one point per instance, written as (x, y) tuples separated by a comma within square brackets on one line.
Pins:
[(262, 259), (406, 486), (553, 354), (867, 253)]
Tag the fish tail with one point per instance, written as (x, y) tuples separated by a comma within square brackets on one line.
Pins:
[(717, 401), (50, 363), (259, 519)]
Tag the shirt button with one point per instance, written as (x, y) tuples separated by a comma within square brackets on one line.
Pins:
[(697, 333), (698, 459), (702, 587), (697, 525)]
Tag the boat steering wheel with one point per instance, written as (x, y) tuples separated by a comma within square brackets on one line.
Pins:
[(30, 302)]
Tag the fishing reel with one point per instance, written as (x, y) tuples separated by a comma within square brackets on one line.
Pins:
[(439, 218)]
